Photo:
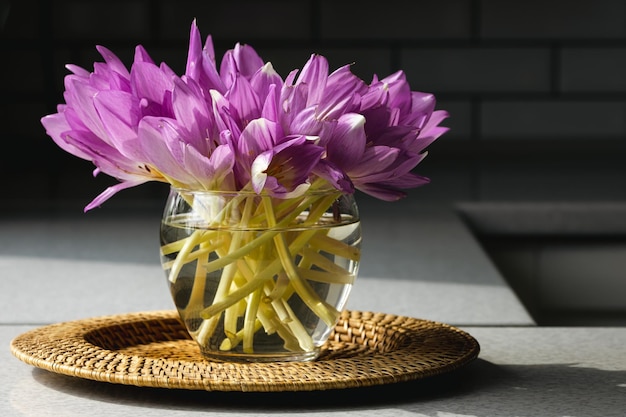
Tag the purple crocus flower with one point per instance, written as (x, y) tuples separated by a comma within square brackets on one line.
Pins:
[(400, 124), (375, 134), (142, 125), (100, 118)]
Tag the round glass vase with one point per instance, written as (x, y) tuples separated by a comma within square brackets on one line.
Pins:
[(256, 278)]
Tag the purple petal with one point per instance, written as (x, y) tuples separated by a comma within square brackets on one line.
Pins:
[(289, 167), (222, 160), (259, 136), (211, 77), (434, 120), (306, 123), (431, 131), (408, 180), (119, 82), (141, 55), (399, 91), (293, 101), (198, 166), (167, 71), (150, 82), (334, 175), (110, 192), (396, 137), (162, 147), (248, 61), (403, 164), (347, 145), (228, 69), (108, 160), (56, 126), (381, 192), (374, 98), (342, 94), (259, 171), (422, 106), (80, 97), (119, 112), (422, 102), (79, 71), (378, 119), (244, 101), (242, 60), (264, 78), (194, 54), (375, 159), (271, 106), (221, 113), (314, 75), (192, 113), (113, 62)]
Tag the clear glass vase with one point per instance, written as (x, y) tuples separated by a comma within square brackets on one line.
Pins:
[(256, 278)]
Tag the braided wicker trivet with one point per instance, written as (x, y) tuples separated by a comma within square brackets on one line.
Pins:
[(153, 349)]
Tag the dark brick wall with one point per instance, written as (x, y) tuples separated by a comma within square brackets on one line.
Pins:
[(536, 89)]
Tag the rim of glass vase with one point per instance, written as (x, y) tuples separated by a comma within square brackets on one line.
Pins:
[(309, 192)]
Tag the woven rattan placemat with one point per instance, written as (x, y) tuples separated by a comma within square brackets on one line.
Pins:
[(153, 349)]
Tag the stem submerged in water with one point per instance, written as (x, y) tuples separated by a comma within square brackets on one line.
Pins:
[(262, 253)]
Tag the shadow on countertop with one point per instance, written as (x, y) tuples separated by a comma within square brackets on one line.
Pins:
[(479, 389)]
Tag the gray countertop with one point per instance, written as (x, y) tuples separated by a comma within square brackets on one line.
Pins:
[(521, 371), (418, 260)]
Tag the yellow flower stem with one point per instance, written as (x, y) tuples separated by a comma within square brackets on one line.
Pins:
[(275, 311), (248, 275), (322, 309), (324, 263), (242, 291), (325, 277), (204, 249), (199, 283), (183, 255), (224, 286), (250, 320), (229, 344), (282, 284), (174, 246), (330, 245), (277, 316), (190, 242), (320, 208), (297, 329), (259, 279), (286, 322), (230, 320), (258, 241), (273, 317), (185, 246)]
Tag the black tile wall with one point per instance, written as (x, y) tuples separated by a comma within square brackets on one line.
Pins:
[(593, 69), (536, 89), (553, 19), (470, 69), (394, 20)]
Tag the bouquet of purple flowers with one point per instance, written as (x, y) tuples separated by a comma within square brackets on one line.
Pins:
[(286, 149), (244, 126)]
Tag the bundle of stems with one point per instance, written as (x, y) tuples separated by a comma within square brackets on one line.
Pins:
[(265, 251)]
